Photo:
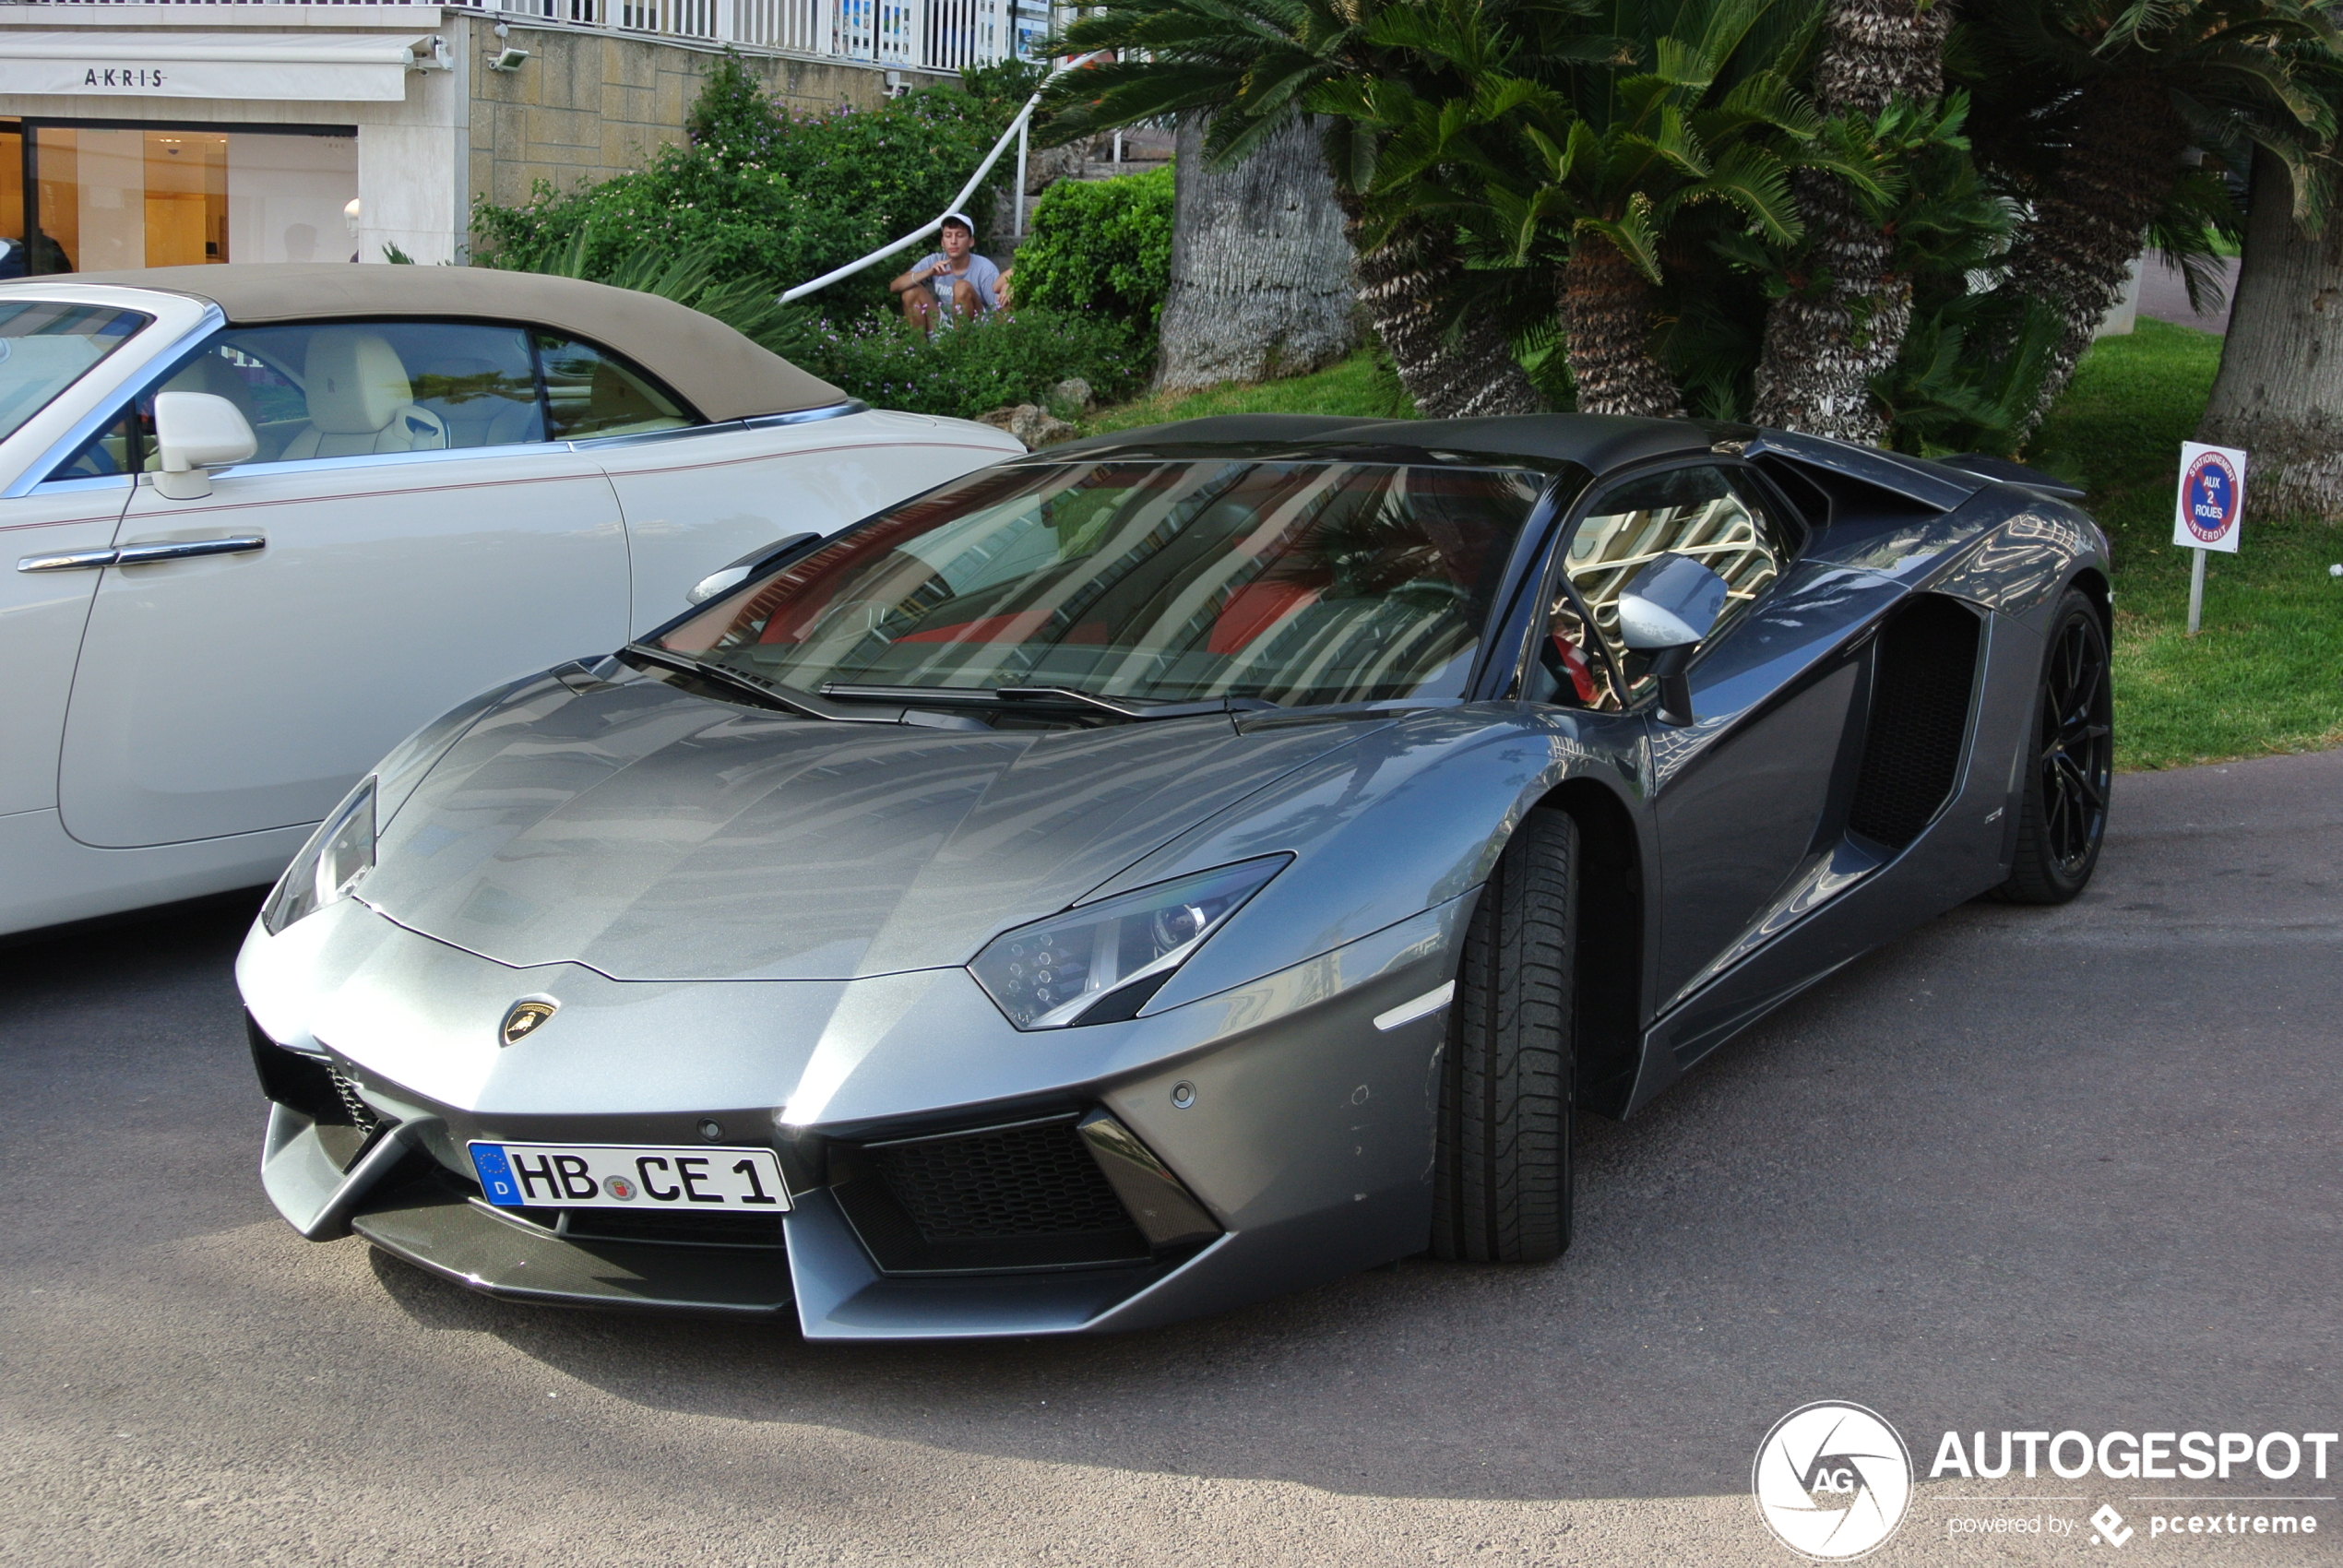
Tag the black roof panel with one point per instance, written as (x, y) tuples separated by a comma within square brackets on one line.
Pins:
[(1598, 442)]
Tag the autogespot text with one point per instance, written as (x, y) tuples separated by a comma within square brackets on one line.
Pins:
[(2148, 1455)]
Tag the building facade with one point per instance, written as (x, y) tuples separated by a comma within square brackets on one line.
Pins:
[(158, 134)]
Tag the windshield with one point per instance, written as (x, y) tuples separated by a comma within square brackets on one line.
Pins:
[(1297, 582), (46, 347)]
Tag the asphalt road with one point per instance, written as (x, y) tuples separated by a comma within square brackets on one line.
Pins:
[(2021, 1170)]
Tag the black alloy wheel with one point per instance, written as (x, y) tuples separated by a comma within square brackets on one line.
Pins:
[(2063, 819), (1502, 1174)]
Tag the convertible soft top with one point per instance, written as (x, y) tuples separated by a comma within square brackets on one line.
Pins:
[(718, 371)]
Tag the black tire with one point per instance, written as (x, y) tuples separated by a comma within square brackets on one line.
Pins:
[(2071, 764), (1502, 1174)]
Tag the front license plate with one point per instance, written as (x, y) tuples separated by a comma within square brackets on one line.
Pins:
[(696, 1181)]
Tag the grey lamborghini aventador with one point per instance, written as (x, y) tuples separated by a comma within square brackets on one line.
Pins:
[(1169, 868)]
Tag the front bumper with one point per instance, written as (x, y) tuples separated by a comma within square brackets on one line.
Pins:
[(1297, 1146)]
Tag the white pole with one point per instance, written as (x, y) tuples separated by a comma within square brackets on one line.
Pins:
[(2196, 591), (930, 227), (1023, 132)]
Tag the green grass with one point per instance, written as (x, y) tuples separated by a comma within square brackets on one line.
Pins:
[(2267, 674), (1362, 384)]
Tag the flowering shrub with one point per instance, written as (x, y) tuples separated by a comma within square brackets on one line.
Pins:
[(970, 367), (762, 193), (1101, 245)]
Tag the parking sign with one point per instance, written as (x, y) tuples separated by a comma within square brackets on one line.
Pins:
[(2212, 497)]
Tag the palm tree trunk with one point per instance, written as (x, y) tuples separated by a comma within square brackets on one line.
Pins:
[(2280, 388), (1404, 285), (1824, 345), (1606, 318), (1260, 283), (2092, 214)]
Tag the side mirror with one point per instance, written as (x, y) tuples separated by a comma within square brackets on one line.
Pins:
[(196, 431), (1666, 612), (724, 580)]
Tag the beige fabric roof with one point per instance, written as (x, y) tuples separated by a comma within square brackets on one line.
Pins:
[(715, 369)]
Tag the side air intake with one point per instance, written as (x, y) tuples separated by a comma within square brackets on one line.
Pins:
[(1921, 696)]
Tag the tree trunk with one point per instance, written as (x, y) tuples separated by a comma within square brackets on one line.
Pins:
[(1260, 266), (1405, 286), (2279, 393), (1606, 318), (1823, 348), (2091, 216)]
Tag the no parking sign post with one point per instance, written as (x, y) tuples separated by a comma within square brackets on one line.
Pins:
[(2208, 512)]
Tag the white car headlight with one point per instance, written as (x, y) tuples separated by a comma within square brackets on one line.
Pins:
[(329, 865), (1100, 963)]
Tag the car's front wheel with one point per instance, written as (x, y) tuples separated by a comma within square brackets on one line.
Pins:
[(2063, 817), (1501, 1181)]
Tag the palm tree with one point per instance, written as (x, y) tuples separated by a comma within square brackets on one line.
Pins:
[(1828, 340), (1597, 154), (2125, 87), (1252, 66)]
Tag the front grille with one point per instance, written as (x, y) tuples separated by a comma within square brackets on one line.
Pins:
[(1029, 1196), (1919, 716), (362, 1116), (1032, 1180)]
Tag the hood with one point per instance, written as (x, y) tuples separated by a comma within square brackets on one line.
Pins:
[(650, 834)]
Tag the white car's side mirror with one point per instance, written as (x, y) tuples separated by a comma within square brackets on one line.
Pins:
[(196, 431), (1666, 612)]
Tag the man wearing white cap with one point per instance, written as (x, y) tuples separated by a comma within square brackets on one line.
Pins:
[(954, 280)]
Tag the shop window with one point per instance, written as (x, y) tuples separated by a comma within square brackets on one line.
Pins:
[(12, 246), (590, 392), (117, 197)]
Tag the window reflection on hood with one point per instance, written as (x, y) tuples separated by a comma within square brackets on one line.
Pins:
[(1299, 582)]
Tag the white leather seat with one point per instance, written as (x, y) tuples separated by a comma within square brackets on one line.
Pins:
[(359, 400)]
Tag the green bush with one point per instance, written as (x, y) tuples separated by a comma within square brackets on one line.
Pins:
[(760, 193), (1101, 246), (971, 367)]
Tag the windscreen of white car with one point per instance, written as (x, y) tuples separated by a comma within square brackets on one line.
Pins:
[(1300, 583), (46, 346)]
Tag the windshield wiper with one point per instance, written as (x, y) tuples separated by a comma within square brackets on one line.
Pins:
[(764, 693), (1039, 696)]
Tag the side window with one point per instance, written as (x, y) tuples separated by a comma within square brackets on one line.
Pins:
[(356, 389), (591, 391), (115, 449), (1700, 512)]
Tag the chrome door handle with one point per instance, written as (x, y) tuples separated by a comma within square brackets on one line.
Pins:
[(142, 555), (187, 548), (71, 560)]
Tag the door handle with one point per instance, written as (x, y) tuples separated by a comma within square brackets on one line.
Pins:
[(143, 554), (71, 560)]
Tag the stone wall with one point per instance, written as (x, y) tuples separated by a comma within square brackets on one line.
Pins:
[(587, 105)]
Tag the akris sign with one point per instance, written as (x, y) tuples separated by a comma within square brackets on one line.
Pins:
[(322, 67), (122, 77)]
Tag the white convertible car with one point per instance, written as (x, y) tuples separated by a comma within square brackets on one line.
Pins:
[(268, 519)]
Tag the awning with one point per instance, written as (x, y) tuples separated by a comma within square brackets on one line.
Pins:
[(321, 67)]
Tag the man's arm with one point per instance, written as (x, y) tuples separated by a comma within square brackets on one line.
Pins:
[(913, 278)]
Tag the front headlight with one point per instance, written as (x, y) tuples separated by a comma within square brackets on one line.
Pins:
[(1100, 963), (338, 854)]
